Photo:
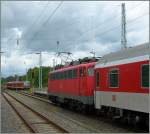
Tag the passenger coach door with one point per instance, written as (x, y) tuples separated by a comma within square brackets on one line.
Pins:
[(82, 80)]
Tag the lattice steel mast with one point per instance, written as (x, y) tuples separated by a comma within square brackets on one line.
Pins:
[(123, 28)]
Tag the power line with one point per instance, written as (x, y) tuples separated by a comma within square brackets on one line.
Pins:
[(37, 19), (96, 28), (33, 24), (104, 22), (116, 27), (51, 15), (64, 26), (139, 4)]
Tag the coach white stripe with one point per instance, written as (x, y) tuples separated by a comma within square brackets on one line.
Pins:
[(124, 61)]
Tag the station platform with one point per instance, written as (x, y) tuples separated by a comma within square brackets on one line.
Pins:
[(41, 93)]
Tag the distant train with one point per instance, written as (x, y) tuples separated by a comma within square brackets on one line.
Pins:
[(18, 85), (117, 85)]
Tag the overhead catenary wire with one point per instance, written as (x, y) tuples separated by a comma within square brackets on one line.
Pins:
[(107, 20), (112, 29), (51, 15), (37, 19), (33, 24), (104, 22)]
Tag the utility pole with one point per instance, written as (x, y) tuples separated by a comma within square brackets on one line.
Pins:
[(123, 28), (40, 69), (0, 65), (26, 71), (53, 64), (93, 52)]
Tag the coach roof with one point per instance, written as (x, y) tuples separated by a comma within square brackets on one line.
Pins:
[(131, 52)]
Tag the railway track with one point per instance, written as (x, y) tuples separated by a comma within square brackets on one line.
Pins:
[(81, 122), (76, 125), (36, 122)]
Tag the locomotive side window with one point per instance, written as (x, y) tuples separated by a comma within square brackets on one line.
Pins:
[(97, 79), (81, 72), (113, 78), (145, 75), (70, 74), (65, 75), (50, 77), (90, 71), (74, 73), (57, 76), (61, 75), (84, 71), (54, 76)]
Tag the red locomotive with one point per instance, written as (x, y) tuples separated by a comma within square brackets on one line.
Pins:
[(119, 85), (72, 85), (18, 85)]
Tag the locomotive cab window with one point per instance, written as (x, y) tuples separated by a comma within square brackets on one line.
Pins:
[(114, 78), (145, 75), (97, 79)]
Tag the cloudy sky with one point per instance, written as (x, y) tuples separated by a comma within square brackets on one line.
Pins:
[(80, 27)]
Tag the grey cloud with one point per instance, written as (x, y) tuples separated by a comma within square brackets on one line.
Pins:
[(71, 26)]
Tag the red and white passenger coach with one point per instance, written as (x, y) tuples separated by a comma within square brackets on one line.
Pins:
[(122, 80)]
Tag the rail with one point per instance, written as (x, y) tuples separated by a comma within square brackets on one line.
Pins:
[(27, 121)]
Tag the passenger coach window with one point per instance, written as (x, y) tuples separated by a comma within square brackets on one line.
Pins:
[(97, 79), (145, 75), (113, 78)]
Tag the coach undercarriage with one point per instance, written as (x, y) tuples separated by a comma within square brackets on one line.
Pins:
[(124, 116)]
